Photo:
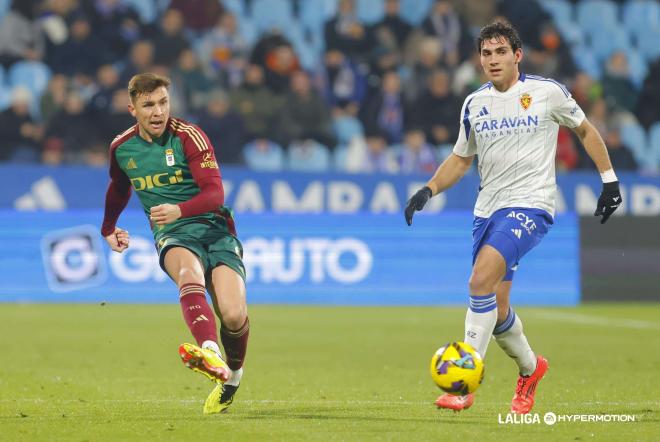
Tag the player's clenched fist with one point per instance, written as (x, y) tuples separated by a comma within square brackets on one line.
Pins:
[(165, 213), (417, 202), (609, 200), (118, 240)]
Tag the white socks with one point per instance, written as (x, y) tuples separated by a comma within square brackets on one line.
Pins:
[(210, 345), (235, 377), (480, 321), (509, 336)]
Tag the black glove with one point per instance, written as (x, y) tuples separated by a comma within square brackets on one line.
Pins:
[(609, 200), (417, 202)]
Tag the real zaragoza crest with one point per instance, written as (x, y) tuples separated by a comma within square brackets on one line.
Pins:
[(525, 100)]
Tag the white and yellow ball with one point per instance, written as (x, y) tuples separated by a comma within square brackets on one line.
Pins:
[(457, 368)]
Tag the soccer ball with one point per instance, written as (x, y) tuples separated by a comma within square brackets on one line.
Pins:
[(457, 368)]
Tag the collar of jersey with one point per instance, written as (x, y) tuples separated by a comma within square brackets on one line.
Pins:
[(521, 79), (160, 141)]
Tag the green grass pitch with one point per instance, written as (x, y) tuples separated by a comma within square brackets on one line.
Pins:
[(112, 372)]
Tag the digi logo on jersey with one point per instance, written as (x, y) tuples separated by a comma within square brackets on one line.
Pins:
[(156, 180), (73, 259)]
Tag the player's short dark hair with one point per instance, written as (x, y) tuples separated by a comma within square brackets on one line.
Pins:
[(500, 30), (146, 83)]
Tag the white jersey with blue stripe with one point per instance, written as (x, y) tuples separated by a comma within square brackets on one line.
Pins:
[(514, 135)]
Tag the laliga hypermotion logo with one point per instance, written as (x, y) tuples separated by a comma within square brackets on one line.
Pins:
[(73, 259)]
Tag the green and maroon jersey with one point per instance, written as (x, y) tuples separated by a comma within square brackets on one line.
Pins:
[(177, 168)]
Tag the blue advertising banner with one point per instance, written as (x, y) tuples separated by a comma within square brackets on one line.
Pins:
[(308, 259), (53, 189)]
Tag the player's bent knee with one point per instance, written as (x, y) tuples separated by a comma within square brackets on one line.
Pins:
[(189, 275), (233, 318), (480, 284)]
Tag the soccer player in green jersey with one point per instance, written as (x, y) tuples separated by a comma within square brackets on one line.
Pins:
[(170, 165)]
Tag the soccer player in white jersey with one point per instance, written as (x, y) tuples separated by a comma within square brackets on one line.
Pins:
[(511, 125)]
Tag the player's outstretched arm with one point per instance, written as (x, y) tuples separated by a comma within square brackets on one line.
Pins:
[(118, 240), (610, 197), (446, 175)]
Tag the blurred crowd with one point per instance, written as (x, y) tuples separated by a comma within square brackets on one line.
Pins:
[(311, 85)]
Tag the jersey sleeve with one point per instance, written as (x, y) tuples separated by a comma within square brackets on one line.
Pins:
[(206, 174), (465, 145), (563, 108), (116, 197)]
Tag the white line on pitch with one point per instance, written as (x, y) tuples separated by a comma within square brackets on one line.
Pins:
[(580, 318), (312, 402)]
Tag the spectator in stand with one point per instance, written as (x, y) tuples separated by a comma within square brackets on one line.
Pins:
[(370, 155), (82, 53), (469, 76), (447, 25), (392, 31), (55, 18), (107, 81), (116, 118), (345, 82), (427, 61), (141, 59), (257, 105), (567, 154), (436, 109), (346, 33), (54, 97), (648, 108), (549, 56), (189, 79), (618, 90), (70, 133), (169, 40), (586, 90), (199, 15), (384, 111), (416, 155), (224, 127), (305, 115), (115, 23), (19, 133), (529, 18), (21, 37), (274, 53), (224, 51), (620, 155), (383, 60), (477, 13)]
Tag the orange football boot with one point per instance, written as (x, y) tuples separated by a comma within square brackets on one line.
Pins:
[(456, 403), (523, 400)]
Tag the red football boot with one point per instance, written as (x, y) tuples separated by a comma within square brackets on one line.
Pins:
[(523, 400), (456, 403)]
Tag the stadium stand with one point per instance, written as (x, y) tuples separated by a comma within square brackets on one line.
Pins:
[(347, 47)]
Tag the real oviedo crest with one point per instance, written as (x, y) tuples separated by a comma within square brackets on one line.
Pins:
[(169, 157), (525, 100)]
